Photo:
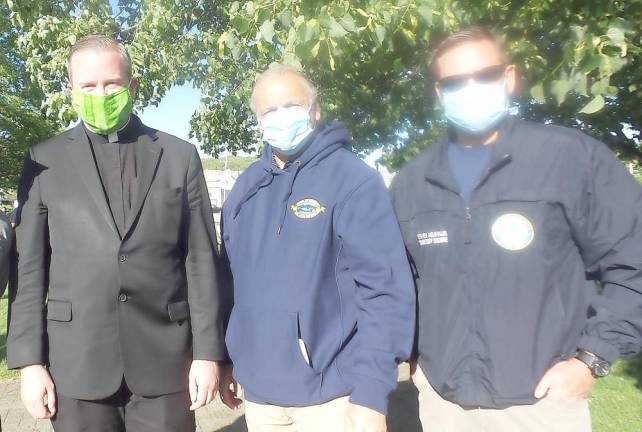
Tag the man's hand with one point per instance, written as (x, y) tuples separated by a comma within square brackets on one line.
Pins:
[(35, 384), (362, 419), (228, 388), (566, 380), (203, 382)]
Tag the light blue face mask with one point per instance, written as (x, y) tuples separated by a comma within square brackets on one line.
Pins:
[(476, 108), (285, 129)]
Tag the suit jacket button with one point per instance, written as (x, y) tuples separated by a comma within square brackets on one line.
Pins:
[(122, 297), (122, 258)]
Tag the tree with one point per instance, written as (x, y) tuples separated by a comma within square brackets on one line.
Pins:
[(580, 60), (21, 122)]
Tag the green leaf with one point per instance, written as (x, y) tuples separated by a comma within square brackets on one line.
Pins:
[(380, 33), (249, 8), (592, 63), (315, 49), (267, 30), (560, 89), (410, 36), (581, 84), (537, 92), (222, 40), (616, 35), (600, 87), (285, 17), (241, 24), (233, 43), (579, 31), (309, 30), (348, 23), (363, 13), (594, 105), (426, 14), (336, 30)]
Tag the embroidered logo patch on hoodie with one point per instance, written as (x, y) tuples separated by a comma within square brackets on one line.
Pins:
[(307, 208)]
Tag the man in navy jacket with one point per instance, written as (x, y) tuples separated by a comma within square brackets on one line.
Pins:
[(511, 225), (324, 299)]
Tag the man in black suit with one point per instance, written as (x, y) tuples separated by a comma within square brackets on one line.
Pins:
[(117, 322), (6, 251)]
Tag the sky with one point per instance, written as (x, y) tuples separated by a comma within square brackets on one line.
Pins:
[(173, 113)]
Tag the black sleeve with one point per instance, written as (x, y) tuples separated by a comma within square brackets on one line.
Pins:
[(26, 336), (206, 290), (608, 229), (6, 251)]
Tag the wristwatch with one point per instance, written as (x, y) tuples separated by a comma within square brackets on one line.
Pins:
[(599, 367)]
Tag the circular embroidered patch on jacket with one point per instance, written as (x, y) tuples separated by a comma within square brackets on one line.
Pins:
[(513, 231), (307, 208)]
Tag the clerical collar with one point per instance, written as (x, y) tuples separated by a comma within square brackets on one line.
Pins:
[(127, 133)]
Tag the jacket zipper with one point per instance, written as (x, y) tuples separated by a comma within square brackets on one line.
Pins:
[(468, 227), (469, 215)]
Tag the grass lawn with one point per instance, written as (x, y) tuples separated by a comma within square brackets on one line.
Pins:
[(616, 404)]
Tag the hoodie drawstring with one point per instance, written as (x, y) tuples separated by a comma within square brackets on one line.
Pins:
[(260, 183), (284, 211)]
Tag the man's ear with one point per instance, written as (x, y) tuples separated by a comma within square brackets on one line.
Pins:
[(133, 86), (511, 79), (438, 91)]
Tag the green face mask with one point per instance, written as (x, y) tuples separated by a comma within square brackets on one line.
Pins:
[(103, 114)]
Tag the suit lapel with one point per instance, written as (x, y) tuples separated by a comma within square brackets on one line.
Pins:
[(148, 153), (83, 159)]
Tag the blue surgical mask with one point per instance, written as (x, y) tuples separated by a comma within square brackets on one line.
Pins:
[(285, 129), (476, 108)]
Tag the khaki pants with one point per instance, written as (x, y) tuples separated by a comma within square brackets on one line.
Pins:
[(326, 417), (547, 415)]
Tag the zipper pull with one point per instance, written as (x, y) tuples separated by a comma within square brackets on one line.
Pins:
[(467, 230)]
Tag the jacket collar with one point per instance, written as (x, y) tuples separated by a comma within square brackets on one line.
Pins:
[(148, 153), (438, 167)]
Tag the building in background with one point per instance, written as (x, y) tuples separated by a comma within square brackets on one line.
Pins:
[(219, 185)]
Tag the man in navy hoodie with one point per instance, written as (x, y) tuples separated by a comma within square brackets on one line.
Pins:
[(324, 303)]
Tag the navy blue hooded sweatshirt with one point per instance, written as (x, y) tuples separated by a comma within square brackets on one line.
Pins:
[(324, 303)]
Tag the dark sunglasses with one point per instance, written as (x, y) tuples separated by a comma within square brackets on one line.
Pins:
[(487, 75)]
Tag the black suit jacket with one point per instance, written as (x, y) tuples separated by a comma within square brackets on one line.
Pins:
[(96, 307), (6, 251)]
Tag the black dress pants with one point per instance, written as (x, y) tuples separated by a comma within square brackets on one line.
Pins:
[(125, 412)]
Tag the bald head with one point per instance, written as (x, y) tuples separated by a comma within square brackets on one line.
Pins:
[(283, 86)]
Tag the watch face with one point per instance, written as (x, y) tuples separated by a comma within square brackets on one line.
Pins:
[(601, 368)]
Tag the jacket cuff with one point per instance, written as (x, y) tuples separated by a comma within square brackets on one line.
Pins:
[(598, 347), (18, 359), (211, 353), (370, 393)]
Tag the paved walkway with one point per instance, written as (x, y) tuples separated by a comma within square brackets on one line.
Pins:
[(213, 418)]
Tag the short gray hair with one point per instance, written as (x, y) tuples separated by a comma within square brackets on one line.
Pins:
[(100, 42), (278, 70)]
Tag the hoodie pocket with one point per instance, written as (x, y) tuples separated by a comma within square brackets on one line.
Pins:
[(265, 345)]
